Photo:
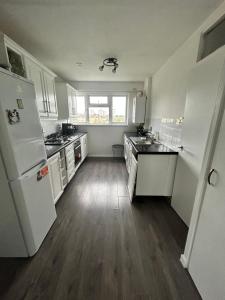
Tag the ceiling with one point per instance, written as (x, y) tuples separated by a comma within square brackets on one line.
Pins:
[(142, 34)]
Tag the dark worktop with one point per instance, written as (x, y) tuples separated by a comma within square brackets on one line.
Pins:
[(53, 149), (156, 148)]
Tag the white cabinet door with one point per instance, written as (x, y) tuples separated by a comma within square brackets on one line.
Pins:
[(132, 176), (139, 107), (55, 176), (72, 113), (84, 147), (66, 100), (125, 147), (49, 81), (70, 161), (207, 262), (129, 156), (155, 174), (70, 99), (34, 73)]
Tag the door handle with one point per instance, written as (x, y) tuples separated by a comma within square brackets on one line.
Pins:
[(209, 177), (181, 147)]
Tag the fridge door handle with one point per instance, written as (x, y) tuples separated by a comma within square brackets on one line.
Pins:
[(209, 177), (33, 171)]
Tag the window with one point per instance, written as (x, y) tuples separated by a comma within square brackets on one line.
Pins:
[(98, 115), (79, 110), (98, 100), (119, 107), (101, 109)]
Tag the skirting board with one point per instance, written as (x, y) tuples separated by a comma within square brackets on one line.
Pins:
[(183, 261), (100, 155)]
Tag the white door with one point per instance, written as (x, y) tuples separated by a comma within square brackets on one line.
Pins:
[(204, 83), (34, 204), (55, 176), (21, 141), (35, 74), (207, 261), (50, 94)]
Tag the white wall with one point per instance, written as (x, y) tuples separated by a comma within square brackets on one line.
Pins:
[(169, 96), (101, 138), (50, 126), (170, 82)]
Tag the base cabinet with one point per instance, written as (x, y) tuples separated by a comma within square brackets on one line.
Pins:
[(132, 177), (127, 153), (84, 146), (55, 176), (70, 161), (155, 175)]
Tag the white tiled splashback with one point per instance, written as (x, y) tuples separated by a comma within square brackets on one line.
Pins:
[(170, 131), (50, 126)]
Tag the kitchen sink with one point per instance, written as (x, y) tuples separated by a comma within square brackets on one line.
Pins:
[(141, 140)]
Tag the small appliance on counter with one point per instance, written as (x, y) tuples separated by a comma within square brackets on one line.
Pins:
[(68, 129), (140, 129)]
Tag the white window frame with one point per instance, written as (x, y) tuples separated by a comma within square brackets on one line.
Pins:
[(109, 105)]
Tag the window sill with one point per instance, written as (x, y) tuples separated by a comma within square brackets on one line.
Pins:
[(101, 125)]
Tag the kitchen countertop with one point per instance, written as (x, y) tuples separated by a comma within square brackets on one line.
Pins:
[(156, 148), (53, 149)]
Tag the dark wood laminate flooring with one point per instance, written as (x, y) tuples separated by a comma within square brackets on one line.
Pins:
[(103, 247)]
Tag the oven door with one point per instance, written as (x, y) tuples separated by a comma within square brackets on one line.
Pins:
[(77, 152)]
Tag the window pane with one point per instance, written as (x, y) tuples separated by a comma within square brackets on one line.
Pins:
[(79, 109), (98, 100), (98, 115), (119, 109)]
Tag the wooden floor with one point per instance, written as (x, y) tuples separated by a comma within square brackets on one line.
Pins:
[(103, 247)]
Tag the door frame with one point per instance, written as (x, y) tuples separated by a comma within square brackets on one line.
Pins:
[(207, 160)]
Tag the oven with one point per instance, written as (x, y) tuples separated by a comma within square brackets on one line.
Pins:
[(77, 152)]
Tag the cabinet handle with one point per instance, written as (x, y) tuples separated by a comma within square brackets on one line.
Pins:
[(209, 177)]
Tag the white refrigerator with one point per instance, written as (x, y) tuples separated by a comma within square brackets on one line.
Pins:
[(27, 209)]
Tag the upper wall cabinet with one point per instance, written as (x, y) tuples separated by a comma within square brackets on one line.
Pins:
[(66, 98), (34, 73), (19, 61), (44, 84), (11, 57), (49, 85), (139, 107)]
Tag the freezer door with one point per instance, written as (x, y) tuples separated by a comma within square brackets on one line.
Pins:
[(35, 206), (21, 142), (11, 237)]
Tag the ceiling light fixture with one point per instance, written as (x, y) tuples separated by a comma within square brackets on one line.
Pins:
[(110, 62)]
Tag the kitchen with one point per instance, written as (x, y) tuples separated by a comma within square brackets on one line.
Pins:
[(109, 162)]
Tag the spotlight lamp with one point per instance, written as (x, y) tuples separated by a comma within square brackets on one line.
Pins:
[(110, 62)]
